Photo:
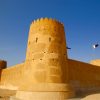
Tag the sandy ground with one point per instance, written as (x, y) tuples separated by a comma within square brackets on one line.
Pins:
[(5, 94), (92, 97)]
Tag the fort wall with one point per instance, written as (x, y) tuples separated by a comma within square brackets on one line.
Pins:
[(11, 78), (84, 77)]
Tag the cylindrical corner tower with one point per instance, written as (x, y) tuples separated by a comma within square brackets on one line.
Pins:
[(3, 64), (46, 51), (45, 64)]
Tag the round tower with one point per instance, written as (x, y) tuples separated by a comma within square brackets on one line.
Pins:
[(46, 68), (46, 51), (3, 64)]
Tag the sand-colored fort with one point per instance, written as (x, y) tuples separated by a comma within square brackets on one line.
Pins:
[(47, 73)]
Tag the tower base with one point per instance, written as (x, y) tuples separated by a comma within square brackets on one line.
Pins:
[(24, 95), (57, 92)]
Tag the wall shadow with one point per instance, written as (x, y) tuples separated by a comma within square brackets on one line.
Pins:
[(0, 74)]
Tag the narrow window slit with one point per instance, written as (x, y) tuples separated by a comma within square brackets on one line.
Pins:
[(49, 39), (36, 40)]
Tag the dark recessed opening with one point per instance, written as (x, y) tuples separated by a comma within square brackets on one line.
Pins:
[(36, 40), (49, 39)]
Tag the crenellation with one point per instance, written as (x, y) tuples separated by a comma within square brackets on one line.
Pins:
[(46, 22)]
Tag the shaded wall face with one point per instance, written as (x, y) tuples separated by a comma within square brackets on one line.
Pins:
[(83, 76), (46, 51), (3, 64)]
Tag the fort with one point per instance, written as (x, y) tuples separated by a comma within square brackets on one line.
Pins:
[(48, 73)]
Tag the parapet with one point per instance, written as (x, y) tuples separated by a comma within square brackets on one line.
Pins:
[(3, 64), (46, 26), (40, 20), (47, 22)]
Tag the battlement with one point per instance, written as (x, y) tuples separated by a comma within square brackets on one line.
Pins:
[(46, 23), (49, 20)]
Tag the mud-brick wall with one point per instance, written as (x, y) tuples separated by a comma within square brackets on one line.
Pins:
[(11, 78), (83, 76)]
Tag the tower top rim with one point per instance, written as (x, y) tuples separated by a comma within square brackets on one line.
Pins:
[(46, 19)]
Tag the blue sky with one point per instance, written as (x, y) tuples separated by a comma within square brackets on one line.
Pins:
[(81, 19)]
